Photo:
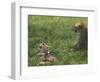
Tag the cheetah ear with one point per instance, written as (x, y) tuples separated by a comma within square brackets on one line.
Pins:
[(81, 25), (40, 45)]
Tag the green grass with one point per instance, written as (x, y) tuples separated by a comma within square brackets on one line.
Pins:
[(58, 32)]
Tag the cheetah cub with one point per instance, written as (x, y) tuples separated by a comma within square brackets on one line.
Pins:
[(44, 54)]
